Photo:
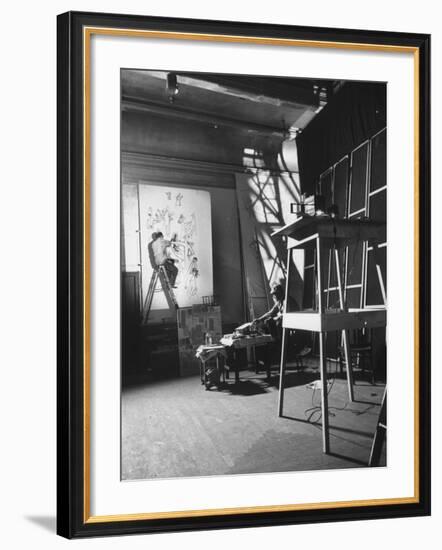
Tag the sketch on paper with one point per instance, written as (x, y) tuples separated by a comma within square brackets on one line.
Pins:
[(184, 218)]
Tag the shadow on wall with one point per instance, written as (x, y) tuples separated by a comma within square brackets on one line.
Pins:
[(264, 199)]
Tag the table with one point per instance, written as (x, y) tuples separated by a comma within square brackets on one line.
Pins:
[(250, 343), (207, 353), (324, 234)]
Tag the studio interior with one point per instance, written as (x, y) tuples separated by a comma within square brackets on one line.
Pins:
[(253, 274)]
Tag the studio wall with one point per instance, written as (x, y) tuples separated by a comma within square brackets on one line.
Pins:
[(183, 216), (227, 278), (357, 112), (191, 140)]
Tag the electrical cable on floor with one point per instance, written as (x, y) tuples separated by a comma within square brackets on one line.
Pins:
[(317, 409)]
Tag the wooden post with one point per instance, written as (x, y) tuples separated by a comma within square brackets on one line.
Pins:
[(235, 359), (322, 353), (140, 265), (379, 273), (349, 367), (324, 393), (380, 433), (282, 371), (284, 342), (344, 332), (319, 275)]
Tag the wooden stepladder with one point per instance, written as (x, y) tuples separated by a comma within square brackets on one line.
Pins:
[(161, 275)]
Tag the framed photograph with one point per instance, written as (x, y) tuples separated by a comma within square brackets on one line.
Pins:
[(237, 205)]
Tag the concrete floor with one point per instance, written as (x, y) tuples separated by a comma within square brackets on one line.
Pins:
[(175, 428)]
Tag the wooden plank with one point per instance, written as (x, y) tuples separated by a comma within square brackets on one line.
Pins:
[(324, 394), (375, 318), (322, 351), (283, 346), (379, 274), (335, 229), (335, 320), (282, 371), (303, 320), (344, 332)]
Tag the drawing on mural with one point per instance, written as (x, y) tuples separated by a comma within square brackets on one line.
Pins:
[(183, 217)]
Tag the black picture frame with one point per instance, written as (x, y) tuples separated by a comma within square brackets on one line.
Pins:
[(73, 520)]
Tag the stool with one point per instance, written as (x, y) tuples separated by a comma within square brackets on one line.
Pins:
[(212, 366)]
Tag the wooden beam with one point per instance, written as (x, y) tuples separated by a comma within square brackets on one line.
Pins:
[(279, 92), (137, 105)]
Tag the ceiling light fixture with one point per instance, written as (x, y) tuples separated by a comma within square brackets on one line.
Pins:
[(172, 86)]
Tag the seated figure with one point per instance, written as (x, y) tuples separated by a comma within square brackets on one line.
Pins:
[(272, 319)]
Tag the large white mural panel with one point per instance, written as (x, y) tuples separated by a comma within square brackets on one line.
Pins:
[(184, 217)]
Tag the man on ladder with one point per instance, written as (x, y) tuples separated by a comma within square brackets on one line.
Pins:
[(164, 269), (161, 249)]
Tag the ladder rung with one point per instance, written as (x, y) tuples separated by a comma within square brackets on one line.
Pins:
[(165, 287)]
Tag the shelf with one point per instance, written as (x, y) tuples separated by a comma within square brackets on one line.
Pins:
[(335, 320), (340, 232)]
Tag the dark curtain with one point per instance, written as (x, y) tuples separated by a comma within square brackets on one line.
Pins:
[(353, 114)]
